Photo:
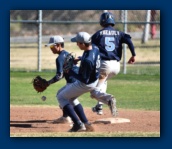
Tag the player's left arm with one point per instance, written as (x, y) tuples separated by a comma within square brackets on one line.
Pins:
[(131, 60), (128, 41)]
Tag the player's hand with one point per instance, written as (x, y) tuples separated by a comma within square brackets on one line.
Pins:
[(76, 60), (131, 60)]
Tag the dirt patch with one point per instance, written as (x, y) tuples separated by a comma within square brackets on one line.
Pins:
[(39, 120)]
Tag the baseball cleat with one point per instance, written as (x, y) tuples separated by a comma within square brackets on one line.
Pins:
[(62, 120), (89, 127), (112, 106), (98, 109), (78, 128)]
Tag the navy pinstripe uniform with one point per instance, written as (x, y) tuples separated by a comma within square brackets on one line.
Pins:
[(87, 79), (88, 70), (56, 44), (69, 79)]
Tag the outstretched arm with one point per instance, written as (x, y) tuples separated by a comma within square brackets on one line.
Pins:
[(56, 78)]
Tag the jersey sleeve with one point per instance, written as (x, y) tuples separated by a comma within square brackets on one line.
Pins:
[(94, 39), (56, 78), (59, 71), (59, 65), (127, 40)]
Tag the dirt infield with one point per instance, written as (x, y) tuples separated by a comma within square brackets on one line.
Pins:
[(39, 120)]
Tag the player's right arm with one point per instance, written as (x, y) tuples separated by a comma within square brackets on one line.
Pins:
[(59, 71), (56, 78), (95, 39)]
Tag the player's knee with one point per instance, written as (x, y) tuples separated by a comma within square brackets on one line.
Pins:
[(59, 96), (62, 102), (93, 94)]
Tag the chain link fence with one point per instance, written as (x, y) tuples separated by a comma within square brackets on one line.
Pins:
[(30, 31)]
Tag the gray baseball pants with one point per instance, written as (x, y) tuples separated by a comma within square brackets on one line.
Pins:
[(76, 89)]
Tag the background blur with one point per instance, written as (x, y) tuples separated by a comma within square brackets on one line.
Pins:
[(30, 31)]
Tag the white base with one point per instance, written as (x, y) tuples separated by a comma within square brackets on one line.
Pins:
[(112, 120)]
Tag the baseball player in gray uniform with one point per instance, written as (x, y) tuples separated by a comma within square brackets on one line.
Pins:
[(87, 79)]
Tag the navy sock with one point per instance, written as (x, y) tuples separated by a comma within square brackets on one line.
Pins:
[(80, 112), (65, 114), (70, 111)]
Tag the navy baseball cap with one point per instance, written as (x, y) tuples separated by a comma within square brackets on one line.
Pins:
[(55, 39), (82, 37)]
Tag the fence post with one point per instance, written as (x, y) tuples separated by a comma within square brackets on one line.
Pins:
[(146, 29), (39, 38), (125, 13)]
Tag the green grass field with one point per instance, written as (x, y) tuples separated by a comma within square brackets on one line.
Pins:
[(138, 89), (131, 91)]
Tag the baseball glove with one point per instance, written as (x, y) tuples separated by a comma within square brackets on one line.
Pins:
[(68, 63), (39, 84)]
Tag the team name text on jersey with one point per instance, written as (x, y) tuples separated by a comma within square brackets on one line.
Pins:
[(109, 32)]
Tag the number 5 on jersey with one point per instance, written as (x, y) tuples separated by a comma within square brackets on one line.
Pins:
[(109, 42)]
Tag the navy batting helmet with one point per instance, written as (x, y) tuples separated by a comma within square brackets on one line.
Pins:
[(107, 18)]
